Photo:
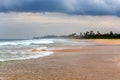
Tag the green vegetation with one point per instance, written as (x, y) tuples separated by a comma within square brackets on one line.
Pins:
[(93, 35), (86, 35)]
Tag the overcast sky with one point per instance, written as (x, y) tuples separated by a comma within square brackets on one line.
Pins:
[(28, 18)]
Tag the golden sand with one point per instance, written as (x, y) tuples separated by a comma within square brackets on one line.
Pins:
[(108, 41), (118, 60), (71, 49)]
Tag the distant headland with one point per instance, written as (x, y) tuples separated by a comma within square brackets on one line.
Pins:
[(86, 35)]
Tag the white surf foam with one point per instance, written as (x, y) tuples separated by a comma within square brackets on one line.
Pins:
[(9, 51), (22, 55), (26, 42)]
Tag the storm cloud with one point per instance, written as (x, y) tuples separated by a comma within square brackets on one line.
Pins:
[(74, 7)]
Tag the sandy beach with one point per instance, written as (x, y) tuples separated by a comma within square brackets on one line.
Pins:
[(100, 62), (108, 41)]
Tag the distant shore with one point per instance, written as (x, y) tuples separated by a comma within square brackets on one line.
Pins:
[(86, 35)]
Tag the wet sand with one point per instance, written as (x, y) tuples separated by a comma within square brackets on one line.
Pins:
[(73, 63)]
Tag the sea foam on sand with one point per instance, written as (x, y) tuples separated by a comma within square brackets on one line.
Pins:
[(35, 48), (24, 54), (27, 49), (24, 49)]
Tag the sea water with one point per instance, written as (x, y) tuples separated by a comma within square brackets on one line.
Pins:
[(33, 48)]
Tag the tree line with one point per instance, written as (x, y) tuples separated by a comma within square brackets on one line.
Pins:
[(93, 35)]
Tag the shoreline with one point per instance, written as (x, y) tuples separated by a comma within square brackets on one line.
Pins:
[(71, 63)]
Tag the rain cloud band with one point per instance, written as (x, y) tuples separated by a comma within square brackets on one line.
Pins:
[(73, 7)]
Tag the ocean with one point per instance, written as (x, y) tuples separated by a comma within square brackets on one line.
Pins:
[(12, 49)]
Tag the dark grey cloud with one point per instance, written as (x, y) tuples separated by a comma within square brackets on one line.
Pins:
[(78, 7), (30, 6)]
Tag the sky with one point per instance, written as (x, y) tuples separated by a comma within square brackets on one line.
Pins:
[(30, 18)]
